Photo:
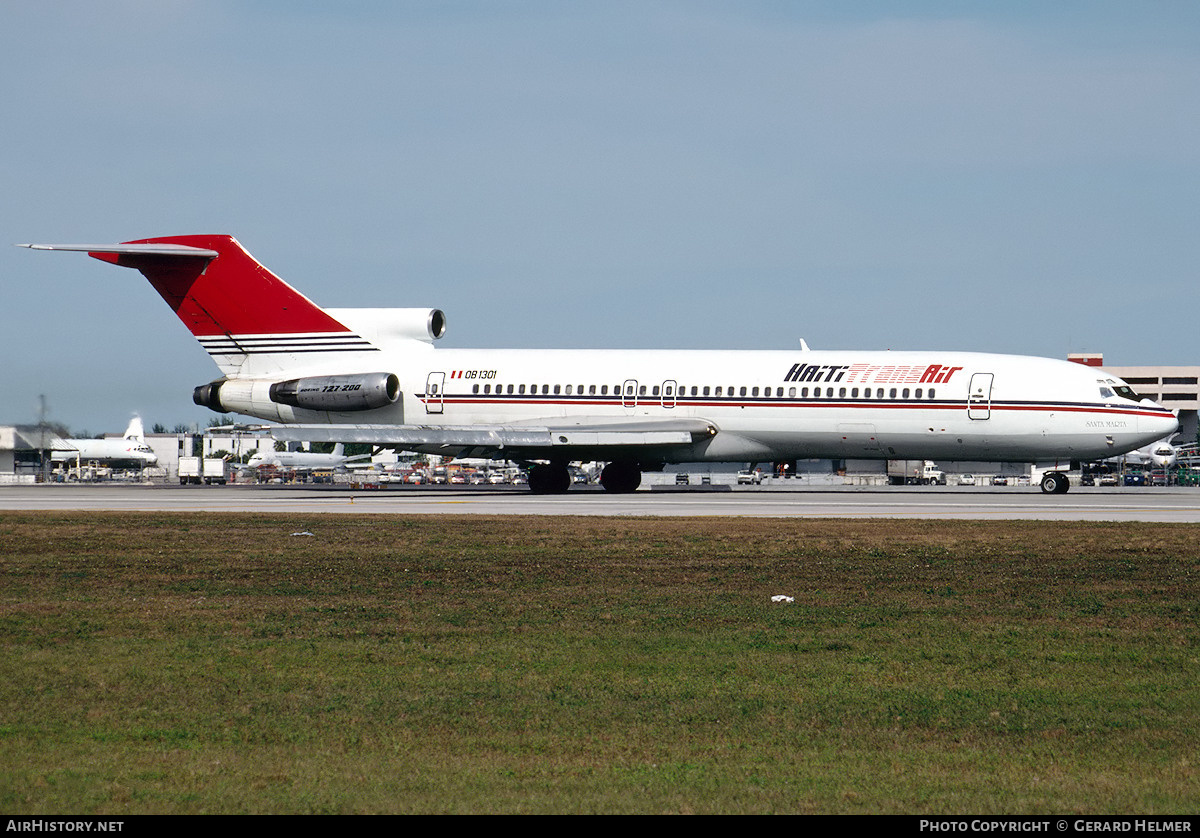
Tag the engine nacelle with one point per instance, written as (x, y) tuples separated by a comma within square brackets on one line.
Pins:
[(383, 325), (339, 392), (335, 393), (209, 395)]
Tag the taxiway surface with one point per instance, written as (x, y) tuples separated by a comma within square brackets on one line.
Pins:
[(1162, 505)]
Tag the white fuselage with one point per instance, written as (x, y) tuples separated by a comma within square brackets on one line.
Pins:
[(106, 450), (297, 459), (765, 405)]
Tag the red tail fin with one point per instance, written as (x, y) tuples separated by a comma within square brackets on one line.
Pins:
[(229, 294)]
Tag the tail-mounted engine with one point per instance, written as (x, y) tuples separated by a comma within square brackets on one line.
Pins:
[(339, 392), (334, 393), (381, 326)]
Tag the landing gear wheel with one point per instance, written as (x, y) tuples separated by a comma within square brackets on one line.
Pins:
[(549, 480), (1055, 483), (621, 478)]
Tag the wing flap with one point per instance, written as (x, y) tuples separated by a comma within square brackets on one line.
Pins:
[(527, 438)]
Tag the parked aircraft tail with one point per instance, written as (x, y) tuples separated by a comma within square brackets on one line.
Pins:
[(136, 430)]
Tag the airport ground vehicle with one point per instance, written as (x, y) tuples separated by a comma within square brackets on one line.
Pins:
[(216, 470), (1187, 476), (914, 473), (748, 477), (190, 470), (966, 480), (203, 470)]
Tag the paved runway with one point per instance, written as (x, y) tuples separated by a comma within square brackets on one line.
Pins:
[(1166, 505)]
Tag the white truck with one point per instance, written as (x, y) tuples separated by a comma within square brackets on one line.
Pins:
[(216, 470), (190, 470), (914, 473), (206, 470)]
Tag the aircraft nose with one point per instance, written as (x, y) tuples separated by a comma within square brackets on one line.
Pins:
[(1158, 427)]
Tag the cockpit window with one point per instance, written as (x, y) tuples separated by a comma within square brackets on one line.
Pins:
[(1110, 386)]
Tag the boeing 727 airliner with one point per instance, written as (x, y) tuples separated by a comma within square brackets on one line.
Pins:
[(374, 375)]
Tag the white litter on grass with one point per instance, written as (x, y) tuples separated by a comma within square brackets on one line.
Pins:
[(782, 598), (306, 532)]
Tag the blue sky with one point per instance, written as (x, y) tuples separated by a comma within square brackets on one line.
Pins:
[(1011, 177)]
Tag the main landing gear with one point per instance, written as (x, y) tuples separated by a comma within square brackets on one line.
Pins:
[(621, 477), (549, 479), (1055, 483), (555, 478)]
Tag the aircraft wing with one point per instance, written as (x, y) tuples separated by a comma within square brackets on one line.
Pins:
[(585, 439)]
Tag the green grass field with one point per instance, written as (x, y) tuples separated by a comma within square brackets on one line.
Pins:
[(219, 663)]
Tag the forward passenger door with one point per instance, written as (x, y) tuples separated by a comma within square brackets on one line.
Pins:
[(979, 396)]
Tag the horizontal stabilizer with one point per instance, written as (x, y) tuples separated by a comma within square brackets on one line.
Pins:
[(131, 249)]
